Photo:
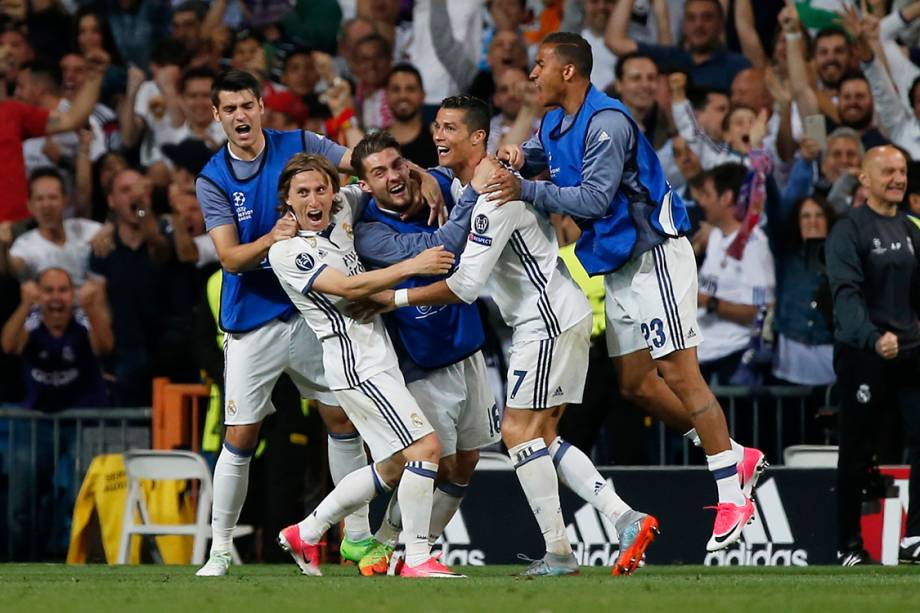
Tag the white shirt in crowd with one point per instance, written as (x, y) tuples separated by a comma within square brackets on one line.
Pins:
[(73, 256), (466, 23), (514, 249), (750, 280), (352, 351)]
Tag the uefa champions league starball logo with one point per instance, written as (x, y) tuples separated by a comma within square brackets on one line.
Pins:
[(304, 262), (481, 224)]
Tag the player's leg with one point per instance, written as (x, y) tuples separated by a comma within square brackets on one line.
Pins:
[(344, 446), (253, 365), (906, 380)]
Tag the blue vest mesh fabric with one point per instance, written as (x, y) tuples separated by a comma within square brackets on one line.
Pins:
[(431, 336), (610, 241), (252, 298)]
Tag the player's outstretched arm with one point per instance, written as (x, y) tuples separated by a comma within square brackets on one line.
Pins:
[(431, 262), (236, 258)]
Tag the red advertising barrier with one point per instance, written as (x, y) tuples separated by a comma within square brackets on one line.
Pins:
[(882, 531)]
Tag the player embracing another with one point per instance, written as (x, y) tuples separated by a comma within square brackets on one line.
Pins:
[(237, 191), (438, 347), (514, 248), (606, 175), (321, 273)]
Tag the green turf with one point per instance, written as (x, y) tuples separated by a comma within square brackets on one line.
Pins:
[(36, 588)]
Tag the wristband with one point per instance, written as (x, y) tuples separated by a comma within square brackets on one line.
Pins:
[(401, 297), (792, 35)]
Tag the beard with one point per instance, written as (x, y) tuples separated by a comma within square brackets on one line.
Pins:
[(404, 116), (857, 123)]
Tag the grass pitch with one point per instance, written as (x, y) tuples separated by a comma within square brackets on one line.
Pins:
[(36, 588)]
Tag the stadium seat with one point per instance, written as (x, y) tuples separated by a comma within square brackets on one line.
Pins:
[(168, 465), (810, 456)]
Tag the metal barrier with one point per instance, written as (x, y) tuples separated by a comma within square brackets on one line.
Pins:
[(71, 438), (779, 398)]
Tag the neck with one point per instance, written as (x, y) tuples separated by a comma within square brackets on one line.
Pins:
[(574, 96), (883, 208), (638, 114), (406, 131), (251, 152), (464, 170), (55, 233), (130, 234), (56, 328), (729, 224)]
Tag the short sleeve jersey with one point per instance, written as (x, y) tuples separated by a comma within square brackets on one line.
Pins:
[(514, 248), (18, 122), (352, 351), (39, 253)]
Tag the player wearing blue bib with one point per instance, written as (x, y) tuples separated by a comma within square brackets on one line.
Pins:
[(438, 347), (605, 174), (237, 191)]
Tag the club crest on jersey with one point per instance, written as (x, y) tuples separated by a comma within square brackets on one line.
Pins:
[(304, 262), (481, 224), (348, 231)]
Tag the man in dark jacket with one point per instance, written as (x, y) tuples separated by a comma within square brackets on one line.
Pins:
[(873, 268)]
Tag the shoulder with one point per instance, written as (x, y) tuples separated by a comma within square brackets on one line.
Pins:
[(280, 252), (611, 121), (25, 240), (83, 228)]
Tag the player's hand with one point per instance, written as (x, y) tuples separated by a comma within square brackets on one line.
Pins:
[(376, 304), (513, 154), (98, 62), (887, 346), (504, 187), (431, 192), (758, 129), (432, 262), (28, 293), (809, 148), (285, 228), (789, 18), (483, 173)]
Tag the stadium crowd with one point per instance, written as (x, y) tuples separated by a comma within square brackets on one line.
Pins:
[(107, 275)]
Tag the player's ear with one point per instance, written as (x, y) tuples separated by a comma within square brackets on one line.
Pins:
[(364, 186), (568, 72)]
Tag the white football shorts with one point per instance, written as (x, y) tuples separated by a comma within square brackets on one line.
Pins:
[(458, 401), (550, 372), (651, 302), (254, 360), (385, 413)]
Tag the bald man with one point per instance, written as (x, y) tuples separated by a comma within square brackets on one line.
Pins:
[(874, 272)]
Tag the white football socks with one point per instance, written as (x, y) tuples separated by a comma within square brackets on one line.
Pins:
[(346, 454), (230, 483), (391, 526), (356, 489), (578, 473), (446, 501), (737, 450), (416, 491), (724, 470), (537, 475)]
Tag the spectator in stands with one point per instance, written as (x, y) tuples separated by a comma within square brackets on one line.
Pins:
[(731, 289), (14, 40), (637, 87), (19, 121), (137, 26), (192, 244), (195, 102), (92, 33), (404, 97), (596, 16), (874, 274), (298, 72), (371, 65), (247, 53), (834, 176), (702, 55), (104, 121), (833, 58), (187, 19), (518, 110), (350, 32), (436, 22), (60, 342), (151, 112), (56, 242), (134, 280), (284, 111), (804, 345)]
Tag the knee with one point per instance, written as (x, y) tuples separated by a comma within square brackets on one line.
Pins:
[(391, 469), (244, 437), (520, 426), (640, 389), (425, 449), (335, 419)]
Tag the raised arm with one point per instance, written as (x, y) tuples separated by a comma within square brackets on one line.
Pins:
[(451, 54), (85, 101), (14, 335), (802, 91), (131, 124), (617, 36), (751, 46), (92, 299)]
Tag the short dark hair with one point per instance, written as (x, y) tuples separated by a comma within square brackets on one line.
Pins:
[(47, 72), (715, 3), (572, 49), (854, 75), (374, 37), (192, 6), (830, 32), (170, 52), (198, 72), (46, 172), (405, 67), (375, 142), (699, 96), (477, 114), (294, 52), (234, 81), (632, 55), (727, 120), (728, 177)]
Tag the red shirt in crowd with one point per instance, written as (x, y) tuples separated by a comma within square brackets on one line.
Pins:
[(18, 122)]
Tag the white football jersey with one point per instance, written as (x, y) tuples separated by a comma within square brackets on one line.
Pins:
[(352, 351), (514, 248), (750, 280)]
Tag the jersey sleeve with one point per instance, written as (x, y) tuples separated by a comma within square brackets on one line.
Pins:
[(32, 121), (320, 145), (352, 197), (295, 264), (490, 231), (214, 205)]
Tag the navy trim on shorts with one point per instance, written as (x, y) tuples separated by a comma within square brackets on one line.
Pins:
[(666, 290), (340, 330), (388, 413), (532, 268)]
